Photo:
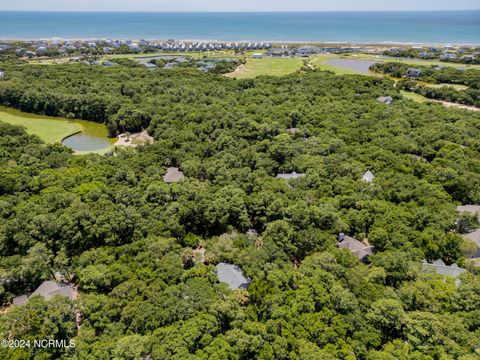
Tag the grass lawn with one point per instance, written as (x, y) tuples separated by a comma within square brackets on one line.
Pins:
[(50, 130), (414, 97), (455, 86), (414, 61)]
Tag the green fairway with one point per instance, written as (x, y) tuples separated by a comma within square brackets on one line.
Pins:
[(50, 130), (413, 62)]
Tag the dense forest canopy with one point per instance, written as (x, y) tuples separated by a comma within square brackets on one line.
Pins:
[(130, 241)]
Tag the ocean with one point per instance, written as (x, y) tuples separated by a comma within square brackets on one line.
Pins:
[(455, 27)]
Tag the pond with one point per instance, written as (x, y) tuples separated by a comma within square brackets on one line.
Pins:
[(91, 138), (358, 65), (85, 142), (80, 135)]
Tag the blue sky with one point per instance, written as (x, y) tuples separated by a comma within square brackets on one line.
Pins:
[(239, 5)]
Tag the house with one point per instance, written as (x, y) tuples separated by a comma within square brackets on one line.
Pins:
[(474, 236), (2, 73), (173, 175), (413, 73), (439, 267), (150, 66), (257, 56), (47, 290), (232, 275), (385, 100), (368, 177), (426, 55), (447, 56), (169, 66), (356, 247), (472, 209), (207, 66), (290, 176), (293, 130), (109, 64)]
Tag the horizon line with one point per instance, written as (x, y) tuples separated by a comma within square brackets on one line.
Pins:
[(231, 12)]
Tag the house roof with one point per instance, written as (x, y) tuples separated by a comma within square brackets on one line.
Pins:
[(232, 275), (473, 236), (472, 209), (368, 177), (20, 300), (385, 99), (293, 130), (356, 247), (414, 71), (290, 176), (172, 175), (440, 268), (49, 289)]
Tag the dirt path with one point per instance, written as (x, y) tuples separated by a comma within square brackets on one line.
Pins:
[(133, 140), (457, 106), (241, 69)]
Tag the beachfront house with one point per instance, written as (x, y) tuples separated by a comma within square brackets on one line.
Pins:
[(232, 275), (413, 73), (47, 290), (361, 250), (448, 56), (290, 176), (173, 175), (368, 177)]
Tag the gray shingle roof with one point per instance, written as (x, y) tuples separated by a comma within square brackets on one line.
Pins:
[(47, 290), (20, 300), (472, 209), (439, 267), (293, 175), (385, 100), (356, 247), (173, 175), (232, 275)]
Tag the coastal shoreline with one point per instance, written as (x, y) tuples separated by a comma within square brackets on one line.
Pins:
[(275, 42)]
